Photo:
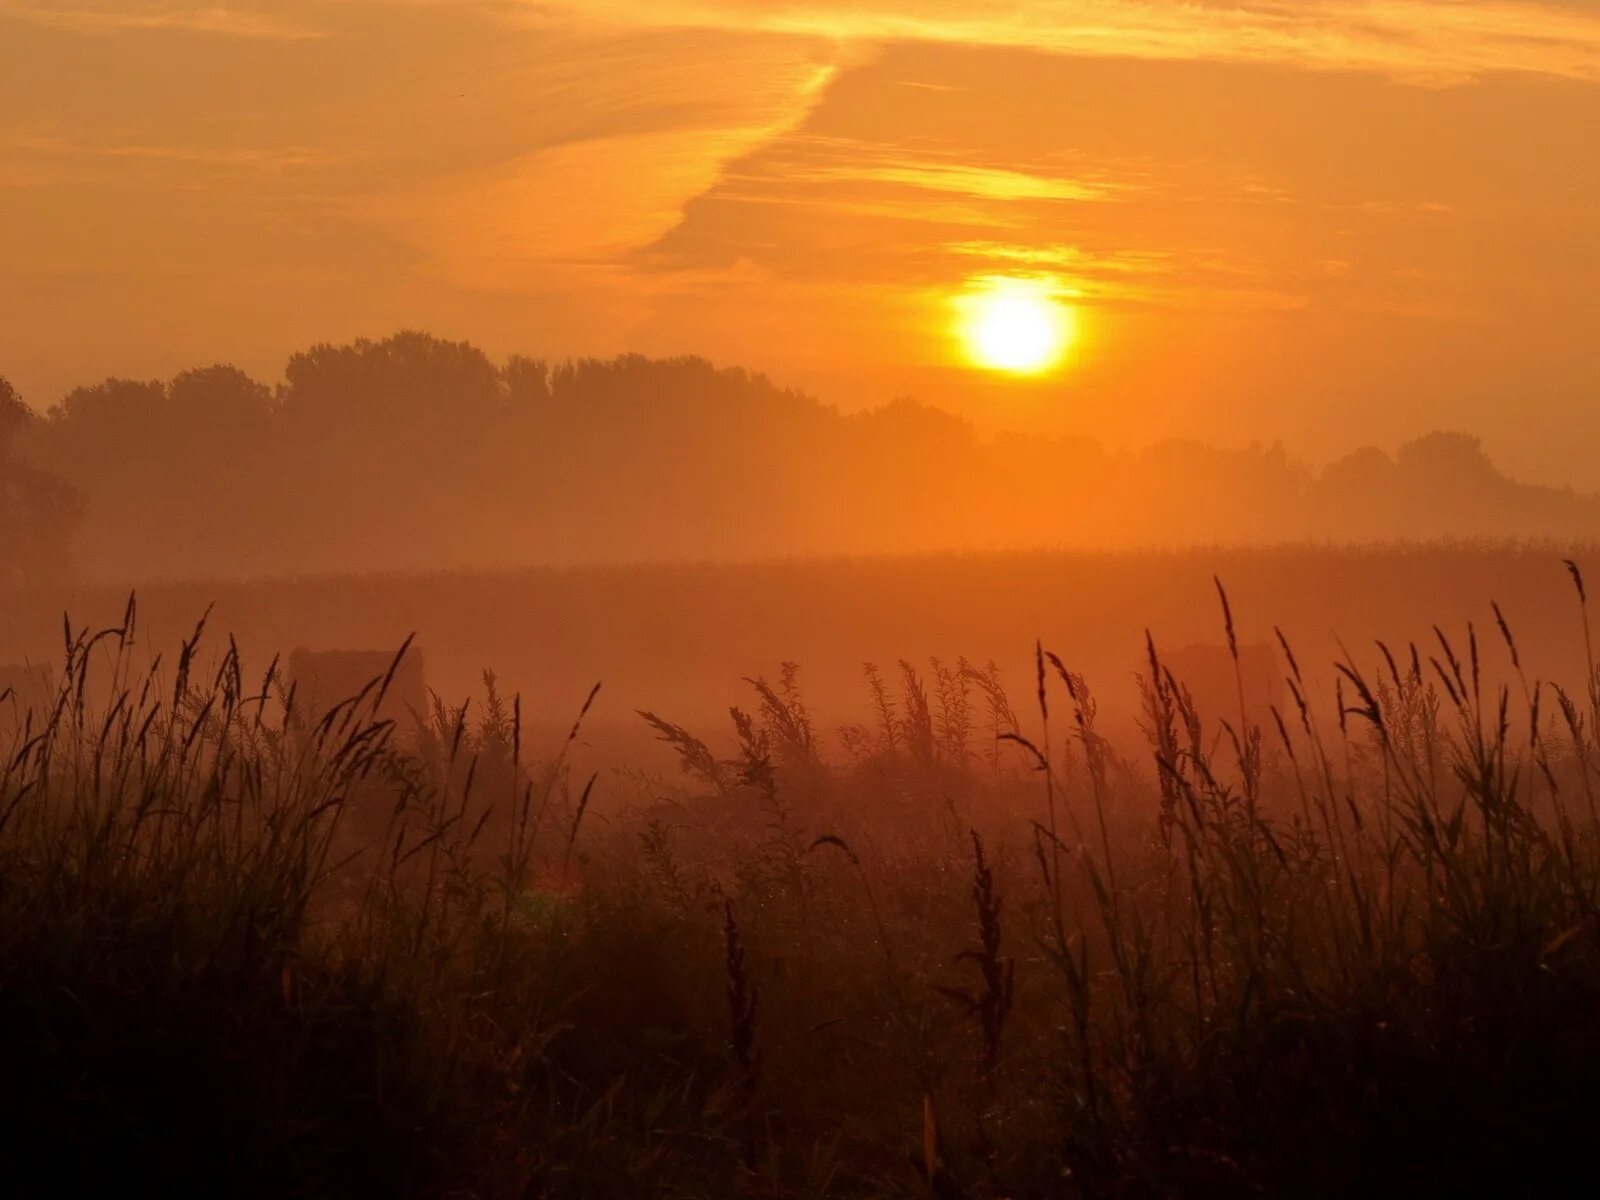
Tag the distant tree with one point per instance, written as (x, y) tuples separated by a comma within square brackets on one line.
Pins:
[(38, 512), (112, 441), (219, 402), (1454, 458), (415, 451), (406, 381), (1447, 485), (15, 416), (1358, 496), (113, 404), (527, 382), (102, 435), (1366, 469)]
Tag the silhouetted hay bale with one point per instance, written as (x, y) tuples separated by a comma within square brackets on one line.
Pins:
[(323, 679)]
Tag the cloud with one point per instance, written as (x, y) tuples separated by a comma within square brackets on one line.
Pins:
[(988, 183), (128, 16), (242, 159), (1215, 189), (618, 164), (1422, 39), (1059, 256)]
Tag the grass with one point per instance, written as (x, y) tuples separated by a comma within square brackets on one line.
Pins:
[(964, 948)]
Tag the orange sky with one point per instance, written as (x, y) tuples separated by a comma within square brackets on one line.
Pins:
[(1328, 221)]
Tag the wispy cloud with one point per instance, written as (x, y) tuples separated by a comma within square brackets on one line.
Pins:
[(1422, 39), (1054, 255), (988, 183), (263, 159), (1426, 40), (597, 195), (221, 19), (840, 172)]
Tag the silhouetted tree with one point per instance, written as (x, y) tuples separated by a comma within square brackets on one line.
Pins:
[(527, 382), (38, 512), (417, 452), (404, 381), (1453, 459), (15, 416), (110, 439), (221, 403)]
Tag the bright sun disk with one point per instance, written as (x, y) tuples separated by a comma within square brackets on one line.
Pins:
[(1015, 326)]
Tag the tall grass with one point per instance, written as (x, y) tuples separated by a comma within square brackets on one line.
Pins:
[(1348, 945)]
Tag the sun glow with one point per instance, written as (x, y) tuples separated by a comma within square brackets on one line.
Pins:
[(1015, 325)]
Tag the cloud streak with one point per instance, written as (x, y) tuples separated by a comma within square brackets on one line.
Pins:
[(1420, 39), (987, 183), (130, 16), (266, 160)]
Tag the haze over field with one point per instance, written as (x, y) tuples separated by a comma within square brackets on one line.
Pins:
[(800, 599), (418, 454)]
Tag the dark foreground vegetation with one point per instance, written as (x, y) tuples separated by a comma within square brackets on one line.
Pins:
[(967, 947)]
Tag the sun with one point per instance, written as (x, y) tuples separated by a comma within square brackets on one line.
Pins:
[(1015, 325)]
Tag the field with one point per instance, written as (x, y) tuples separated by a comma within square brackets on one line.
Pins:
[(681, 639), (934, 929)]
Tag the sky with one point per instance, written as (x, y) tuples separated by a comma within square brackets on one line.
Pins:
[(1327, 222)]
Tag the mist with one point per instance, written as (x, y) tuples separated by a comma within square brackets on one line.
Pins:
[(417, 454), (799, 600)]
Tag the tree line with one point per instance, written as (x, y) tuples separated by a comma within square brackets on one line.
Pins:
[(418, 453)]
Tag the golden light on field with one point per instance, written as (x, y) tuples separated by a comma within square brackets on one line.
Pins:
[(1015, 325)]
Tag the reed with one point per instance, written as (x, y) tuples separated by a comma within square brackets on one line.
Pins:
[(1346, 944)]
